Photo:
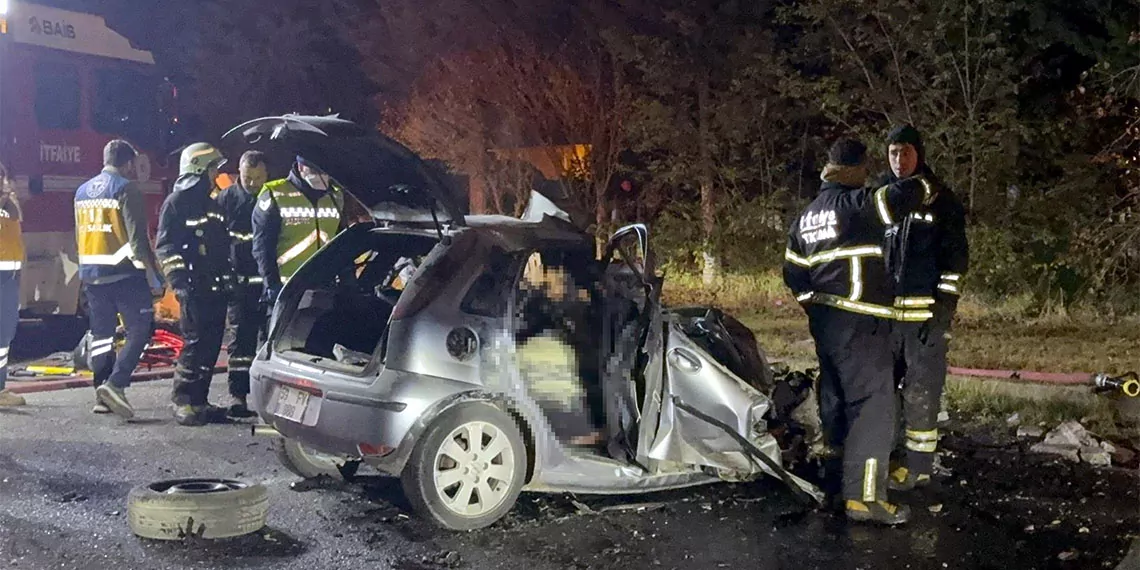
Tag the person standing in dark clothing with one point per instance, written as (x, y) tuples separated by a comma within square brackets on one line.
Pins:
[(119, 273), (294, 217), (194, 251), (927, 257), (246, 311), (834, 267)]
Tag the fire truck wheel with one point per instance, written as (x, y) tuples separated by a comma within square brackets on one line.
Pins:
[(197, 508)]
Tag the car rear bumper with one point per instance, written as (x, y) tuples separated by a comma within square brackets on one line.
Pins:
[(348, 422)]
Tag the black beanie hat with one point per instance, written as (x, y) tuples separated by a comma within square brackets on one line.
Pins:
[(905, 134), (847, 152)]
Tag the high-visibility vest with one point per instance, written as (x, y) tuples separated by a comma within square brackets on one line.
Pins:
[(305, 227), (11, 242), (100, 234)]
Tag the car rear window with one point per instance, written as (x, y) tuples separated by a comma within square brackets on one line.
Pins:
[(488, 296), (432, 277)]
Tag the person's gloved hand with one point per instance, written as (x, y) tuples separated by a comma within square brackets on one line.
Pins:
[(939, 324), (272, 291)]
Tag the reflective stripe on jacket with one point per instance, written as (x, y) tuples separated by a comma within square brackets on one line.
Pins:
[(305, 227), (834, 255), (101, 235), (11, 242)]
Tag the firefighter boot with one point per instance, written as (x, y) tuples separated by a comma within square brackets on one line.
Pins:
[(879, 512), (187, 415), (240, 408), (903, 479)]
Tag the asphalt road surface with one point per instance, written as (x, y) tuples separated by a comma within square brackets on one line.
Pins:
[(65, 475)]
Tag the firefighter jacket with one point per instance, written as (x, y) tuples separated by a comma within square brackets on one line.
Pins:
[(290, 223), (237, 205), (835, 255), (11, 238), (927, 253), (110, 230), (193, 243)]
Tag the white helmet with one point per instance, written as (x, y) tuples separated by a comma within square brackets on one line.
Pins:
[(198, 158)]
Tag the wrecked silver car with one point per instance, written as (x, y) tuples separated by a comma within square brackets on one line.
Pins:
[(478, 356)]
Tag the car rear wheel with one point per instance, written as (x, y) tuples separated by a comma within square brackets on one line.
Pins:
[(468, 469), (309, 463)]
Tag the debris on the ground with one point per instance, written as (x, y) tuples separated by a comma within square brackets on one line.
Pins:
[(935, 508), (1030, 431), (1096, 456), (584, 509), (1068, 555), (1067, 440), (1123, 455), (943, 416), (447, 559), (72, 497), (1013, 420)]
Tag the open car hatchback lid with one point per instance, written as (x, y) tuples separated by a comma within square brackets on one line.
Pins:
[(384, 175)]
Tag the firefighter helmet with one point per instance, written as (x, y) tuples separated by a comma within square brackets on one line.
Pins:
[(198, 158)]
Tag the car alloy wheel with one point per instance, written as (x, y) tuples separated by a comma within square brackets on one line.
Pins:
[(474, 469), (468, 467)]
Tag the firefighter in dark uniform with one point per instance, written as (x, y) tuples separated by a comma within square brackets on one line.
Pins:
[(294, 217), (834, 266), (246, 311), (193, 249), (927, 256)]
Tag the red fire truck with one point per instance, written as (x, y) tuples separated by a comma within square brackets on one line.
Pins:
[(68, 85)]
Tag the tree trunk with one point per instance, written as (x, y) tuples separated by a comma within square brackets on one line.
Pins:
[(601, 218), (710, 262)]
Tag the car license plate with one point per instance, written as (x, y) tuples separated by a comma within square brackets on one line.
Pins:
[(297, 405)]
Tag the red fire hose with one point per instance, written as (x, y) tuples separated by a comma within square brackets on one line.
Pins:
[(1129, 383)]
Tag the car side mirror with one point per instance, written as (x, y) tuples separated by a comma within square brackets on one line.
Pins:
[(630, 244)]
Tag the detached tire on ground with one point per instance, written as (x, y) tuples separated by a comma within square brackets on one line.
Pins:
[(309, 464), (468, 468), (199, 508)]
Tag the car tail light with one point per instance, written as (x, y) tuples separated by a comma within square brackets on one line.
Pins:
[(369, 450)]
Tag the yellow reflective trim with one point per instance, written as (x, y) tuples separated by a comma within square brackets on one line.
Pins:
[(881, 206), (804, 296), (853, 306), (948, 288), (792, 257), (914, 301), (913, 316), (922, 435), (870, 470), (856, 279), (835, 254), (298, 248), (951, 276), (922, 446)]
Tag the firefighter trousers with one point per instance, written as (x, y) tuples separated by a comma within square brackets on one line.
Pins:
[(203, 324), (920, 374), (856, 397), (131, 300), (247, 323), (9, 317)]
